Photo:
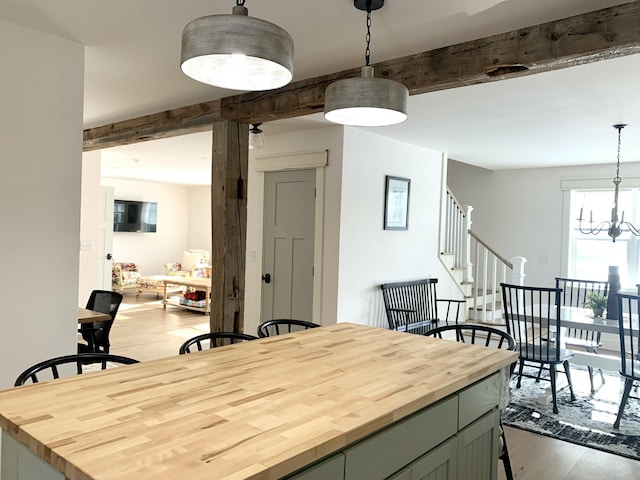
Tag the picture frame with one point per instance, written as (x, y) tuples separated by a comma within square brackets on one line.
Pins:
[(396, 203)]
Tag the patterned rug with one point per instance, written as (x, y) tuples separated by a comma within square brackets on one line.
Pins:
[(588, 421)]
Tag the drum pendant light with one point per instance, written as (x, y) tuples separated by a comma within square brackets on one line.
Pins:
[(237, 51), (366, 101)]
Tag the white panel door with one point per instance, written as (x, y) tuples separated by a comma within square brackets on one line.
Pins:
[(289, 219), (105, 238)]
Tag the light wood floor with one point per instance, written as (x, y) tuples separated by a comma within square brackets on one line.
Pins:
[(145, 331)]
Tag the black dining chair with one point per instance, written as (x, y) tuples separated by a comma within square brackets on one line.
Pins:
[(96, 334), (574, 294), (213, 340), (532, 315), (629, 334), (488, 337), (280, 326), (414, 306), (50, 369)]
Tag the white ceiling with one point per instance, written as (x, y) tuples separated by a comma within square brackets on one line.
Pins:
[(556, 118)]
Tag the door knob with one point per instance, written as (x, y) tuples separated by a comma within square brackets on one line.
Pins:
[(266, 277), (109, 256)]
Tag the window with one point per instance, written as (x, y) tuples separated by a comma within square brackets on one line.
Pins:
[(589, 256)]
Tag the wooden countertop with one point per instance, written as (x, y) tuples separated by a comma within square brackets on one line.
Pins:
[(256, 410)]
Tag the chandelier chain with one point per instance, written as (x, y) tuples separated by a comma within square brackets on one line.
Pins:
[(618, 164), (367, 52)]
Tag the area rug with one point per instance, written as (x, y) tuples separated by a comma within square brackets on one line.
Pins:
[(588, 421)]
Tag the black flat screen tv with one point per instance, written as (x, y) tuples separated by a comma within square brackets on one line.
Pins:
[(134, 216)]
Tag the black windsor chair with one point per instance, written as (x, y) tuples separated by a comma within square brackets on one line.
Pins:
[(84, 363), (574, 294), (213, 340), (412, 306), (279, 326), (629, 333), (532, 315)]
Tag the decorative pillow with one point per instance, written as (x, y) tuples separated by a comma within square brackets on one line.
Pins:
[(190, 260)]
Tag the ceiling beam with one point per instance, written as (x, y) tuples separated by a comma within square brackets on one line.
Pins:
[(590, 37)]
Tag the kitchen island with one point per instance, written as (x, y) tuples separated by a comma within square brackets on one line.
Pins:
[(344, 401)]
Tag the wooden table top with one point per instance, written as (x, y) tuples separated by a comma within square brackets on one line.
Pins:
[(255, 410), (188, 281), (88, 316)]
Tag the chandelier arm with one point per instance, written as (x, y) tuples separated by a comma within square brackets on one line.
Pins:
[(604, 225), (631, 228)]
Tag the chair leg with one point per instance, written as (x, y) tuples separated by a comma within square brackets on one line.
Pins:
[(567, 372), (590, 369), (552, 375), (504, 455), (628, 383), (520, 374), (539, 374)]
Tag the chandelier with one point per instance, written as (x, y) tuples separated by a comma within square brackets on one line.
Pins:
[(616, 225)]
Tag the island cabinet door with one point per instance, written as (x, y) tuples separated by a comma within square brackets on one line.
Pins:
[(438, 464), (19, 463), (478, 448), (395, 448), (330, 469)]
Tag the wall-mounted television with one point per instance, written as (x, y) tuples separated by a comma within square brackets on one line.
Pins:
[(134, 216)]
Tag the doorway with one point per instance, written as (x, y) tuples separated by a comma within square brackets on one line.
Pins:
[(288, 245), (290, 164)]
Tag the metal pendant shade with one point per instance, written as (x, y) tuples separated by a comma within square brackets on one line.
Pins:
[(366, 101), (237, 52)]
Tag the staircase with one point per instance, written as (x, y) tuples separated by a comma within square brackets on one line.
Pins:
[(476, 268)]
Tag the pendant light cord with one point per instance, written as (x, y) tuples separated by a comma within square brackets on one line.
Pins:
[(367, 52)]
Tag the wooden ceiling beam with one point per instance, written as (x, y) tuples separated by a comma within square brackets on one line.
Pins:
[(590, 37)]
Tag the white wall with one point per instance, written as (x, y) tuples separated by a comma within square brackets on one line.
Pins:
[(199, 232), (152, 250), (370, 255), (520, 212), (89, 225), (358, 254), (41, 93)]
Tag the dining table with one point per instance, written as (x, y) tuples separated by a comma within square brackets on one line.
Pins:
[(583, 318), (88, 316)]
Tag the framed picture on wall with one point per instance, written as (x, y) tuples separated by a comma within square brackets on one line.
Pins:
[(396, 203)]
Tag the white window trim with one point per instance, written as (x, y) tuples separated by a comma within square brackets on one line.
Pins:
[(597, 183), (566, 186)]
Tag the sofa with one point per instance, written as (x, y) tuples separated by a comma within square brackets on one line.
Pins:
[(194, 263), (124, 275)]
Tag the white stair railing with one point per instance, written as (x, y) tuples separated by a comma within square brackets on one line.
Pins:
[(484, 268), (455, 228)]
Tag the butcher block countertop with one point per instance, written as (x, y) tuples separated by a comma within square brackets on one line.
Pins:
[(256, 410)]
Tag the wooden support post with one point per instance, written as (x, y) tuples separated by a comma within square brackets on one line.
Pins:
[(228, 221)]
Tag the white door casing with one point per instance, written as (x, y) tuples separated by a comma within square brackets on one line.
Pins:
[(289, 211), (317, 161), (105, 238)]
